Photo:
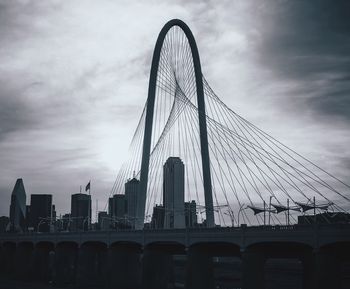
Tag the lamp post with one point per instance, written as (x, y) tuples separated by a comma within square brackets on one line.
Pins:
[(231, 215), (270, 210), (41, 222), (241, 208), (70, 220), (86, 220)]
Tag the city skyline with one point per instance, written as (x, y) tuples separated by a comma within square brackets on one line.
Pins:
[(248, 183), (39, 214), (57, 122)]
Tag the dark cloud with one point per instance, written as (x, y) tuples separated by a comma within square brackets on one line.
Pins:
[(306, 29), (74, 76), (22, 20), (16, 115), (335, 103), (309, 42)]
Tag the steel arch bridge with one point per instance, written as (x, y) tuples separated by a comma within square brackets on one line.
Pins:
[(201, 117), (84, 257), (229, 158)]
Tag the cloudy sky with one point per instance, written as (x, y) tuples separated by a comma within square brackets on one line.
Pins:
[(74, 76)]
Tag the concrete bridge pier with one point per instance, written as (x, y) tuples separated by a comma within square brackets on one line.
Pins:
[(91, 267), (65, 263), (199, 268), (157, 268), (329, 262), (43, 261), (255, 257), (2, 261), (23, 261), (253, 262), (308, 270), (124, 266), (8, 259)]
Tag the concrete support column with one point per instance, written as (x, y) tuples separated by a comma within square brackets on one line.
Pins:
[(157, 269), (253, 262), (327, 268), (8, 260), (308, 273), (43, 261), (199, 269), (124, 270), (24, 262), (2, 264), (65, 263), (91, 268)]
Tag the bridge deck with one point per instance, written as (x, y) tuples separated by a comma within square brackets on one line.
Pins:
[(314, 236)]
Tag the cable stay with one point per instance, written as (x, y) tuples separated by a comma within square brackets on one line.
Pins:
[(247, 165)]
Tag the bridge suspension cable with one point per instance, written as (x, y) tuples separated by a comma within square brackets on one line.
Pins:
[(247, 165)]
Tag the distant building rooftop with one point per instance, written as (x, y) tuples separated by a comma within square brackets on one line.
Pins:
[(325, 218)]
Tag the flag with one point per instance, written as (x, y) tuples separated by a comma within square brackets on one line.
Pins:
[(87, 187)]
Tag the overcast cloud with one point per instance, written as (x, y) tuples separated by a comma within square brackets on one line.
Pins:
[(74, 76)]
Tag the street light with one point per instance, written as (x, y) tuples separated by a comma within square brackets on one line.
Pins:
[(241, 208), (86, 219), (41, 222), (270, 209), (70, 220), (231, 215)]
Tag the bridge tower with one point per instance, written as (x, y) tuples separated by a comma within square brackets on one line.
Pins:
[(141, 203)]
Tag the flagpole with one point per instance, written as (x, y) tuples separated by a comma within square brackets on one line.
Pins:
[(89, 224)]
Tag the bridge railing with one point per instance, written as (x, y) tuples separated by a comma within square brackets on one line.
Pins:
[(192, 230)]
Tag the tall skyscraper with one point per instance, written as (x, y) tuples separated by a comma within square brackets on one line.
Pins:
[(117, 206), (157, 221), (18, 207), (80, 212), (103, 221), (40, 209), (191, 214), (173, 193), (132, 188), (53, 214)]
